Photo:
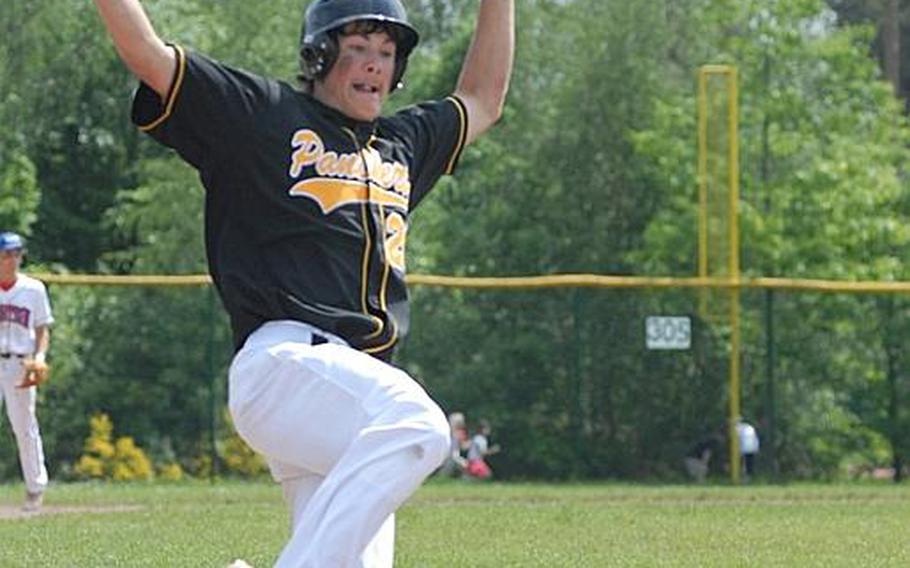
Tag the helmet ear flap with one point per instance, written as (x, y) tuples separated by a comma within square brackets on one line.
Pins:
[(317, 55)]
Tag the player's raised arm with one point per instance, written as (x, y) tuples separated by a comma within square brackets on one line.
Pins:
[(487, 67), (137, 43)]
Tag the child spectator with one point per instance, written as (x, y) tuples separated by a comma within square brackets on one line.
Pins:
[(478, 450)]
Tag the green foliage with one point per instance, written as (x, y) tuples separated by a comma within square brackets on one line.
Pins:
[(19, 193), (163, 220), (60, 102)]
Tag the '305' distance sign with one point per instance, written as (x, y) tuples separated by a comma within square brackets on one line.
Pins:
[(668, 332)]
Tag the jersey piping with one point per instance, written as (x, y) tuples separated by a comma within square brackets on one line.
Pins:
[(383, 292), (365, 271), (173, 92), (462, 133), (383, 288), (368, 244)]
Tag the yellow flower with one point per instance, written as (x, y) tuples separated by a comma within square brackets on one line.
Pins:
[(99, 447), (239, 457), (121, 472), (121, 461), (133, 459), (89, 466), (170, 472), (101, 426)]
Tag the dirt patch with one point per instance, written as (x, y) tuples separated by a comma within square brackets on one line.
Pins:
[(8, 512)]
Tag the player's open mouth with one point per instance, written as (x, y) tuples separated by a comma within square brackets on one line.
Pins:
[(366, 89)]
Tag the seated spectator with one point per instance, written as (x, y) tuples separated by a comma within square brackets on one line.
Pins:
[(479, 449), (698, 460)]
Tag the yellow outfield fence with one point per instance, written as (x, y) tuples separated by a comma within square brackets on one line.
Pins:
[(530, 282), (124, 280)]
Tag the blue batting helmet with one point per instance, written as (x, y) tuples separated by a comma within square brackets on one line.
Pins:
[(11, 241)]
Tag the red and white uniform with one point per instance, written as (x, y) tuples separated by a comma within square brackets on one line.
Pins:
[(23, 308)]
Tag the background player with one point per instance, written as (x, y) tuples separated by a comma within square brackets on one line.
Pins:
[(25, 317), (309, 193)]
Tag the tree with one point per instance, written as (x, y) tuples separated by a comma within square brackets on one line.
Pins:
[(890, 19)]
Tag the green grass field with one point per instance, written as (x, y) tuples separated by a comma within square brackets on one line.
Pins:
[(474, 525)]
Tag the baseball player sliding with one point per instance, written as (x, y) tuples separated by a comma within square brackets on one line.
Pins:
[(25, 319), (309, 191)]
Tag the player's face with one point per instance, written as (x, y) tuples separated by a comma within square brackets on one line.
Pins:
[(9, 263), (361, 78)]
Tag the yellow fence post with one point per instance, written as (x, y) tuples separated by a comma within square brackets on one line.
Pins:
[(725, 215)]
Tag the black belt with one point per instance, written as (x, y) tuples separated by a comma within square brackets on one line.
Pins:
[(8, 355)]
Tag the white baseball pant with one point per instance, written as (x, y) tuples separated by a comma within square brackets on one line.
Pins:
[(349, 437), (20, 407)]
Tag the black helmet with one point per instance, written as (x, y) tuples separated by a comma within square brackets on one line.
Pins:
[(319, 47)]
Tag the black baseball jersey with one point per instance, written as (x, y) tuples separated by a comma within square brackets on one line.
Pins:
[(306, 209)]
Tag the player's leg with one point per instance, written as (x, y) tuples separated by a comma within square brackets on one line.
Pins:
[(297, 487), (380, 552), (20, 407), (3, 384), (298, 490), (402, 439), (368, 427), (750, 464)]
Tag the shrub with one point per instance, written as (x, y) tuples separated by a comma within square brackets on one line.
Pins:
[(170, 472), (122, 460)]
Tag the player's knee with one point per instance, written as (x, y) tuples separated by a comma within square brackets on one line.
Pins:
[(26, 433), (438, 440)]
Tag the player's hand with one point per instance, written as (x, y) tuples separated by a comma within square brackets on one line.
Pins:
[(36, 372)]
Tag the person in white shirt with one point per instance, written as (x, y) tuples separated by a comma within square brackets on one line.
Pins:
[(25, 319), (748, 447)]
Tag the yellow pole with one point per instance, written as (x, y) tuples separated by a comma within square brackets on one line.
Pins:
[(729, 73), (703, 187), (733, 181)]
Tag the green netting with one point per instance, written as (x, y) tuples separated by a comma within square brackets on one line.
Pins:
[(563, 374)]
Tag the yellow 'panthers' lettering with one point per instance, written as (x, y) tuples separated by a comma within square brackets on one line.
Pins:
[(309, 150), (396, 229)]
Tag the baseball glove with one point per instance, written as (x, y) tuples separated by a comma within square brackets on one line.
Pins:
[(36, 372)]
